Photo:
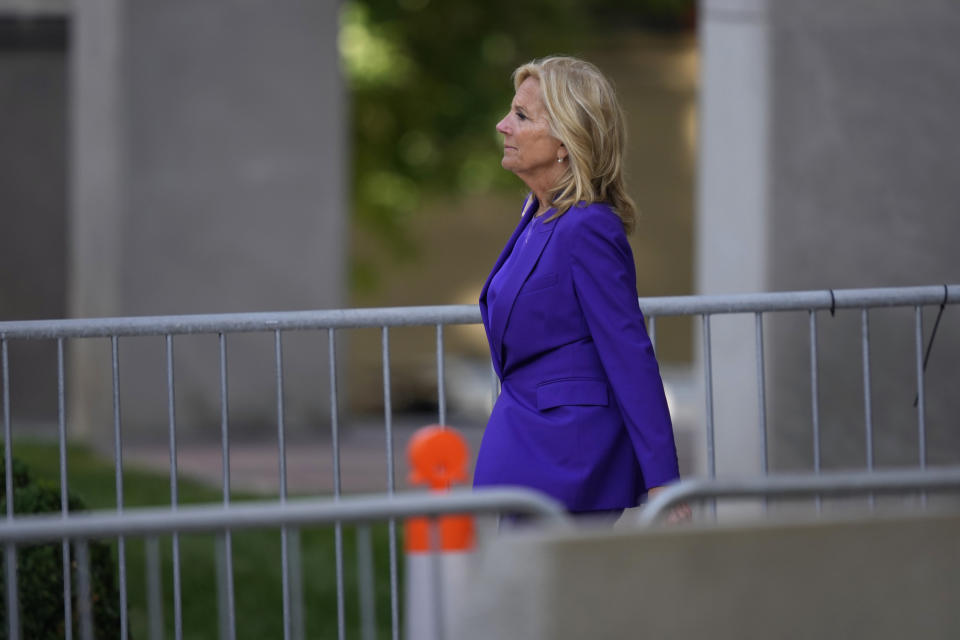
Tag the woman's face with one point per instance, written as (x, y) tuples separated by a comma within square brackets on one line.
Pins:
[(529, 149)]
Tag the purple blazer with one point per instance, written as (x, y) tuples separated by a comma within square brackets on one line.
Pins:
[(581, 415)]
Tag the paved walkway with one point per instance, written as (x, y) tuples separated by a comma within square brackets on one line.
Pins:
[(254, 465)]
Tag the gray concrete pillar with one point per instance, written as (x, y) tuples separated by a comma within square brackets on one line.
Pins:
[(732, 214), (33, 198), (209, 176)]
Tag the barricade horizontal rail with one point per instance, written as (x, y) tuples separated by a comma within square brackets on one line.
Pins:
[(824, 299), (797, 485), (294, 512), (465, 314)]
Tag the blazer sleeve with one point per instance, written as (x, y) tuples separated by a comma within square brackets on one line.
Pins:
[(605, 283)]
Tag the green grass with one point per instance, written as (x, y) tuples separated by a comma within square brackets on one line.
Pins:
[(256, 556)]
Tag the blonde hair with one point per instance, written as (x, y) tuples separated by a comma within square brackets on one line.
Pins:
[(585, 116)]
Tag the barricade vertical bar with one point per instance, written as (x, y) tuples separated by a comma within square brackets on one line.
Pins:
[(220, 567), (118, 470), (84, 593), (7, 428), (921, 411), (815, 391), (867, 408), (392, 524), (13, 606), (652, 330), (761, 400), (708, 392), (368, 620), (226, 587), (761, 394), (281, 427), (436, 580), (64, 493), (154, 589), (10, 551), (867, 404), (441, 391), (815, 398), (282, 457), (224, 420), (297, 628), (335, 442), (174, 497)]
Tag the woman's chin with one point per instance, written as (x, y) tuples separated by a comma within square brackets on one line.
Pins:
[(509, 162)]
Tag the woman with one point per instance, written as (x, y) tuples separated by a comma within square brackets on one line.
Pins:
[(582, 414)]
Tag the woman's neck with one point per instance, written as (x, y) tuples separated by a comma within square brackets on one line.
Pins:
[(542, 204)]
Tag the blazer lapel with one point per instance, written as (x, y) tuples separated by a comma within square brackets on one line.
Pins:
[(513, 280), (526, 215)]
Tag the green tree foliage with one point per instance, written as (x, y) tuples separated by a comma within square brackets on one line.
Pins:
[(40, 571), (429, 79)]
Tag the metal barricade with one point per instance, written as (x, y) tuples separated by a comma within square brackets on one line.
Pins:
[(831, 300), (221, 325), (82, 527), (800, 485), (334, 321)]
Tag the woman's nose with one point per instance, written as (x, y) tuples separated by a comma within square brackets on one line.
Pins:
[(502, 125)]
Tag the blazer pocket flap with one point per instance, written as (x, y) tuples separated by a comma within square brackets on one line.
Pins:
[(539, 282), (572, 392)]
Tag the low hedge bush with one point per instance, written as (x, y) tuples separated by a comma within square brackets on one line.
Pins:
[(40, 570)]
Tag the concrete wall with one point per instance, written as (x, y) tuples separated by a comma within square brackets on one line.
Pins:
[(858, 578), (829, 151), (210, 173), (865, 148)]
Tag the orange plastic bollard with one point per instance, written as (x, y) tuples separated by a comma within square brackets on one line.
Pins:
[(438, 458)]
